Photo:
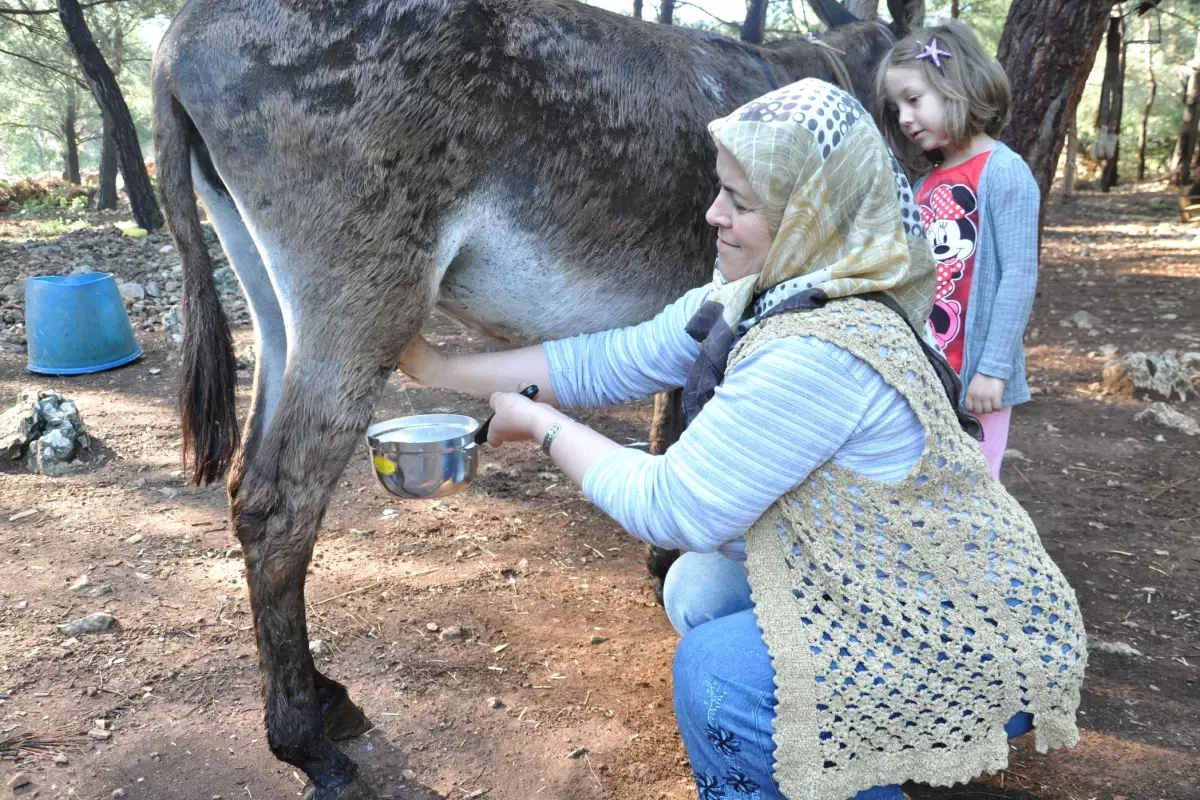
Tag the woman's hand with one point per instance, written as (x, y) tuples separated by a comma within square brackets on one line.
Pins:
[(517, 418), (984, 394), (421, 361)]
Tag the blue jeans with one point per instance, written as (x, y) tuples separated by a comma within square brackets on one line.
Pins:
[(725, 686)]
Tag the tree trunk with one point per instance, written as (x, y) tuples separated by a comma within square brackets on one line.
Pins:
[(666, 12), (106, 198), (1185, 145), (1048, 63), (1069, 168), (1153, 90), (953, 9), (116, 115), (863, 9), (1108, 118), (71, 140), (755, 25), (637, 8)]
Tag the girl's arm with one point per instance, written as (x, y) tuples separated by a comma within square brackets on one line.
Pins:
[(591, 370), (1014, 203)]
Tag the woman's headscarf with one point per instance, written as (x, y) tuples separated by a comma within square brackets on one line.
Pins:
[(841, 211)]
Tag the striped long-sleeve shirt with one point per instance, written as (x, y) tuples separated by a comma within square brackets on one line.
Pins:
[(789, 407)]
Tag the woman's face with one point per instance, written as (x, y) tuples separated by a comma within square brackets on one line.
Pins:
[(743, 233)]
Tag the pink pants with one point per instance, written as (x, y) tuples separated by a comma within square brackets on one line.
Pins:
[(995, 437)]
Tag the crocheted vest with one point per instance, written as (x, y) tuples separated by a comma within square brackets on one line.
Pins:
[(907, 622)]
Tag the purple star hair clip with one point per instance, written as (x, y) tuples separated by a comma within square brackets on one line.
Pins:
[(933, 53)]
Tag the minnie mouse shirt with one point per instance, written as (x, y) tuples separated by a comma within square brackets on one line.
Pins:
[(949, 204)]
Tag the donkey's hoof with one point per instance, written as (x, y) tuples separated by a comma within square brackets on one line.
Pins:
[(358, 790), (344, 720)]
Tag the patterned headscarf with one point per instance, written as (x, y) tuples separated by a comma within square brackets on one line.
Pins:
[(841, 211)]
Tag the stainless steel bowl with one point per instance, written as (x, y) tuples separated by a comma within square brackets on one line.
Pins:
[(424, 456)]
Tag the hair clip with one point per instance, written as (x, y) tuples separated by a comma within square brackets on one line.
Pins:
[(932, 52)]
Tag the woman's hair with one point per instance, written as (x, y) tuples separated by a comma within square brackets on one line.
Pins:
[(978, 98)]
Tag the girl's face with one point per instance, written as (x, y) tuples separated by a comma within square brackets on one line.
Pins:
[(743, 232), (921, 108)]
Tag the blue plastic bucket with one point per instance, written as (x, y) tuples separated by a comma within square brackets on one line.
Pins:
[(77, 324)]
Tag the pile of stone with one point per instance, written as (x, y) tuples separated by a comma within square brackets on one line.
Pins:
[(43, 428), (1161, 374)]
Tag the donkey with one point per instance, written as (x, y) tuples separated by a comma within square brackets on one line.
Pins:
[(534, 168)]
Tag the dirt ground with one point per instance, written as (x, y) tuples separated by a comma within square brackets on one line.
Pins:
[(560, 614)]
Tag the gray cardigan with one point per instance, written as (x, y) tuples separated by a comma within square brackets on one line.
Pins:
[(1005, 277)]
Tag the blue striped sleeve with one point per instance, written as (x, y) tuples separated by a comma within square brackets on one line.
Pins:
[(781, 412), (603, 369)]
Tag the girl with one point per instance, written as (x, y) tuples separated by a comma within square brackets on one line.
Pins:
[(851, 617), (946, 102)]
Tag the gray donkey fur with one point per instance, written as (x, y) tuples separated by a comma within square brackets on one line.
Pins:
[(535, 168)]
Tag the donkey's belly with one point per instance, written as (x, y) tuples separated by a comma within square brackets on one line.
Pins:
[(507, 284)]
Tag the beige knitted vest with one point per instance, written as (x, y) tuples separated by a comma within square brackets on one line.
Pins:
[(906, 622)]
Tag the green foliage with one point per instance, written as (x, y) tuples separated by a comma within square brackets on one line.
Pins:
[(39, 80)]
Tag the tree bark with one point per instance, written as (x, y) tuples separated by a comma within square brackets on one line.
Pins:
[(1185, 145), (666, 12), (755, 25), (106, 198), (863, 9), (1048, 63), (71, 140), (1108, 118), (1152, 85), (637, 8), (1068, 192), (953, 9), (116, 115)]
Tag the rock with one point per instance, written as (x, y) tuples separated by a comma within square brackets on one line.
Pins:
[(61, 760), (578, 752), (135, 539), (597, 639), (408, 775), (132, 292), (152, 289), (1165, 416), (50, 454), (13, 292), (19, 779), (319, 649), (226, 281), (1116, 648), (172, 324), (1163, 374), (118, 792), (495, 702), (99, 735), (452, 634), (431, 626), (101, 590), (46, 428), (1085, 321), (246, 359), (98, 622), (18, 427)]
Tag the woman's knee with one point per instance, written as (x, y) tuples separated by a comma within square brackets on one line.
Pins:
[(701, 587)]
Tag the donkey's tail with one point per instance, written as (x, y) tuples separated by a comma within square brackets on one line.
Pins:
[(208, 370)]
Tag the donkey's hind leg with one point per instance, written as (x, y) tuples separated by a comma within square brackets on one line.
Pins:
[(327, 401), (342, 718)]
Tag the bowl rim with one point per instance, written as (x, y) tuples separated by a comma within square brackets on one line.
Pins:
[(461, 442)]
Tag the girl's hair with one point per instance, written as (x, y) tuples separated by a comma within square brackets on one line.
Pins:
[(977, 94)]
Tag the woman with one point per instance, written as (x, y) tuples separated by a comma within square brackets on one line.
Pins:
[(860, 603)]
